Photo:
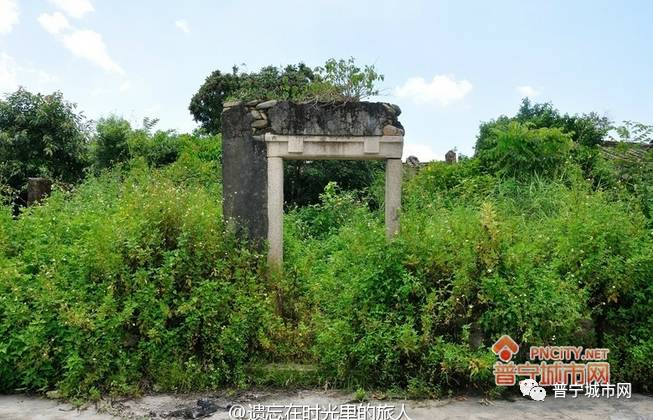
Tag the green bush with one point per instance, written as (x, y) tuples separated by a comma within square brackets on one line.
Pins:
[(520, 151), (129, 283), (117, 142), (548, 262), (442, 184), (343, 80), (111, 142), (584, 129), (160, 148)]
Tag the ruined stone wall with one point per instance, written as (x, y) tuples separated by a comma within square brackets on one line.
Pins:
[(244, 175)]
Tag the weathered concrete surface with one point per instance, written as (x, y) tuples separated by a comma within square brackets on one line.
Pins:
[(20, 407), (343, 119), (244, 176)]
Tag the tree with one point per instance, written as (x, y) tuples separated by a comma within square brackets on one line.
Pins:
[(116, 141), (111, 142), (584, 129), (289, 83), (40, 136), (337, 80)]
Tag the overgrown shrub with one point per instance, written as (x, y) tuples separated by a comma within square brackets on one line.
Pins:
[(343, 80), (584, 129), (116, 142), (548, 262), (304, 181), (111, 142), (520, 151), (159, 148), (131, 282)]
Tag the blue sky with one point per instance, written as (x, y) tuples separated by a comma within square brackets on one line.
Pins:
[(449, 65)]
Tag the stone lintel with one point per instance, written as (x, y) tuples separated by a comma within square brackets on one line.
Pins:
[(301, 147)]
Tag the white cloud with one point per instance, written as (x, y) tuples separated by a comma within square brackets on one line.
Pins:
[(443, 89), (83, 43), (528, 91), (89, 45), (12, 75), (74, 8), (8, 15), (183, 25), (54, 23)]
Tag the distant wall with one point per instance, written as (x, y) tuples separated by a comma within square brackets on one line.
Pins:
[(38, 189)]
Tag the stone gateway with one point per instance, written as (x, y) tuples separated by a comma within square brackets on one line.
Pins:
[(258, 136)]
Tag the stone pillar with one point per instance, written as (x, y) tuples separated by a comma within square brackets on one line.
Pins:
[(275, 212), (393, 169), (244, 177), (38, 189), (450, 157)]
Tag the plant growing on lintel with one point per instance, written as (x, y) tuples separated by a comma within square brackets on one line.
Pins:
[(343, 80)]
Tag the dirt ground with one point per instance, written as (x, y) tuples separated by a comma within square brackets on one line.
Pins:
[(242, 405)]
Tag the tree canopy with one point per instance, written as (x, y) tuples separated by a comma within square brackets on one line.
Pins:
[(336, 80), (585, 129), (40, 135), (270, 82)]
